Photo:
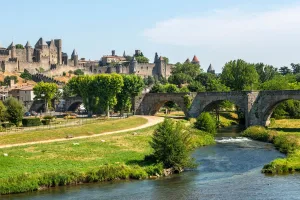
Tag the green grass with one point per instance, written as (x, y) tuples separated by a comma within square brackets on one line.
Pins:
[(116, 156), (88, 129), (285, 135)]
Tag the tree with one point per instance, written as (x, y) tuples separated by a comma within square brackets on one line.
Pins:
[(3, 112), (64, 73), (158, 88), (171, 88), (7, 79), (149, 80), (84, 87), (45, 91), (133, 86), (265, 72), (166, 60), (78, 72), (19, 46), (285, 70), (296, 68), (279, 82), (26, 75), (15, 110), (142, 59), (106, 88), (239, 75), (207, 123), (190, 69), (172, 145), (180, 79)]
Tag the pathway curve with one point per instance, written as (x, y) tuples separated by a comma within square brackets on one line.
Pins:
[(152, 120)]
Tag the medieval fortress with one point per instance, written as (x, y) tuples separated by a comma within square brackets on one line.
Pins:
[(48, 56)]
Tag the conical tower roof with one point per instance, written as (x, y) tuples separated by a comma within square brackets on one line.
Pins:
[(187, 61), (27, 44), (124, 54), (210, 69), (74, 53), (11, 45), (195, 59)]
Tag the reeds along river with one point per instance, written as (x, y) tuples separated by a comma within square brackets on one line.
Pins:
[(228, 170)]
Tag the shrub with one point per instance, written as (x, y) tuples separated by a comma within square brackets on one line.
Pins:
[(257, 133), (27, 122), (207, 123), (172, 145), (78, 72), (15, 110), (64, 74), (49, 117), (7, 125), (46, 121)]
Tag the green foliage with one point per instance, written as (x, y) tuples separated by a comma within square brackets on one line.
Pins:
[(45, 91), (187, 101), (133, 86), (265, 72), (15, 110), (196, 86), (142, 59), (192, 70), (172, 144), (70, 72), (257, 133), (19, 46), (287, 109), (211, 83), (7, 79), (166, 60), (239, 75), (207, 123), (280, 82), (171, 88), (180, 79), (184, 89), (149, 80), (28, 122), (64, 73), (3, 112), (285, 70), (26, 75), (78, 72), (46, 121)]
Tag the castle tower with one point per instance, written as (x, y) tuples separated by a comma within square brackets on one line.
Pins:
[(156, 57), (133, 65), (58, 44), (210, 69), (195, 60), (12, 49), (187, 61), (124, 54), (74, 57), (28, 52), (161, 67)]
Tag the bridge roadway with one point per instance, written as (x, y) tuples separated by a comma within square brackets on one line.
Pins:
[(257, 106)]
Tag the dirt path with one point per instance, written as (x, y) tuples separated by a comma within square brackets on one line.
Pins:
[(152, 120)]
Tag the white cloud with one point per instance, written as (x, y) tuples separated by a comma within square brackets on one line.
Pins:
[(230, 28)]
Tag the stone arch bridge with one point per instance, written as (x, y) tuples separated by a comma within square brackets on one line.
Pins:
[(257, 106)]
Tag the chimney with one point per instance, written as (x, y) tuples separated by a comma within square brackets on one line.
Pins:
[(113, 52)]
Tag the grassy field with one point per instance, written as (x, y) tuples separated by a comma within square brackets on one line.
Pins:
[(285, 135), (108, 157), (88, 129)]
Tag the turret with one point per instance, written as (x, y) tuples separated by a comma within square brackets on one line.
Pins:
[(133, 65), (195, 60), (124, 54), (58, 44), (155, 57), (28, 49), (161, 67), (74, 57), (210, 69), (12, 49), (187, 61)]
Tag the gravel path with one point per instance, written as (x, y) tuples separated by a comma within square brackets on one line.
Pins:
[(152, 120)]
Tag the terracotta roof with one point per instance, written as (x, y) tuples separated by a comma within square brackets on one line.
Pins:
[(29, 87), (195, 59)]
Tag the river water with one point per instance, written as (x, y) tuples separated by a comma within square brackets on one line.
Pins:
[(228, 170)]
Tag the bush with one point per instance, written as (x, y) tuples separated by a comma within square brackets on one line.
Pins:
[(257, 133), (78, 72), (172, 145), (207, 123), (7, 125), (49, 117), (15, 110), (27, 122), (46, 121), (64, 74)]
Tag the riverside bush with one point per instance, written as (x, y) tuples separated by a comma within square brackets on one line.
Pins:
[(172, 145), (257, 133), (46, 121), (207, 123), (27, 122)]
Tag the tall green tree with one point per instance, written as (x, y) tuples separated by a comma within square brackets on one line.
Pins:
[(265, 72), (239, 75), (84, 86), (133, 86), (285, 70), (106, 88), (15, 110), (45, 91), (296, 68)]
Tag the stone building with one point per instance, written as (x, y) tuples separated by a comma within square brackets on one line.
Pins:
[(120, 65), (44, 54)]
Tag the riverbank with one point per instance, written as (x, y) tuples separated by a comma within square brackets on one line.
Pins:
[(286, 138), (103, 158)]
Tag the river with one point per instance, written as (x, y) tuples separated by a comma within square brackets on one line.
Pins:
[(228, 170)]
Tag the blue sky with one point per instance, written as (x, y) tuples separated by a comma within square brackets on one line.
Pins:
[(216, 30)]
